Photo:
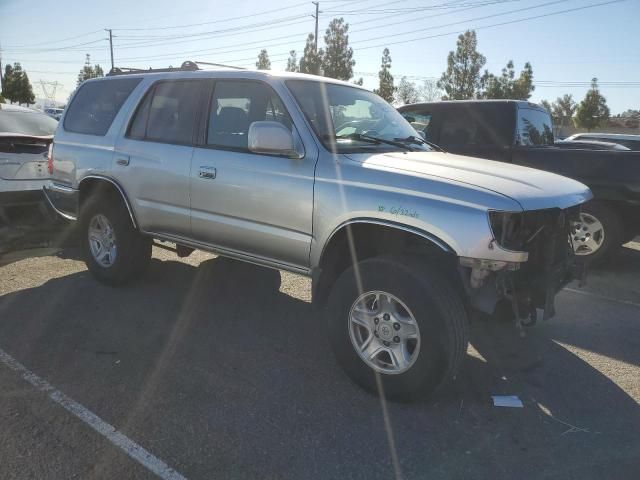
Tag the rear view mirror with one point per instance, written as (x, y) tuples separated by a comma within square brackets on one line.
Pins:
[(272, 138)]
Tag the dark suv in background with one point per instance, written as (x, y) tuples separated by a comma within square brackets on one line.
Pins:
[(522, 133)]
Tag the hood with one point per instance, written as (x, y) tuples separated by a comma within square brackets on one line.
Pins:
[(532, 189)]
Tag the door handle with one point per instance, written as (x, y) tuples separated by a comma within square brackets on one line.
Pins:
[(208, 173), (123, 161)]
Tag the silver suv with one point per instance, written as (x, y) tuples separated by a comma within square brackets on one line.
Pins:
[(321, 178)]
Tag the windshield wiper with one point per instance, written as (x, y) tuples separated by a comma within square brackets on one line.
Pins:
[(419, 141), (369, 139)]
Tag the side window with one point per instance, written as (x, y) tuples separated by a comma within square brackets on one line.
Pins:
[(534, 127), (172, 112), (459, 130), (96, 104), (138, 127), (237, 104)]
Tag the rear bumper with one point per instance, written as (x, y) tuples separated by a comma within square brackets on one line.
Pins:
[(63, 199)]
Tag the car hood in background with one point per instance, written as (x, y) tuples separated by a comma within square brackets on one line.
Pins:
[(532, 189)]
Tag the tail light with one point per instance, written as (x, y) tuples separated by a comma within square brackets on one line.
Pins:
[(50, 159)]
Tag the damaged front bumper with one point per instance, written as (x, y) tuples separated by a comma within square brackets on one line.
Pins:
[(526, 289)]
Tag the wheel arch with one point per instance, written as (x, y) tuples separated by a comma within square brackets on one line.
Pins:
[(98, 184), (360, 238)]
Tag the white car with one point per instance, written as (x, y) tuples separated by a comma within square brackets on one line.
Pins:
[(632, 142), (26, 220)]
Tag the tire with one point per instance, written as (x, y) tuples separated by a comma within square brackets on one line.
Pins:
[(132, 252), (429, 300), (611, 233)]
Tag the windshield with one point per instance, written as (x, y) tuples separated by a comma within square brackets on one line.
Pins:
[(27, 123), (348, 119)]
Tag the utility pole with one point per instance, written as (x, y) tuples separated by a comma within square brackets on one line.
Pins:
[(110, 45), (317, 4)]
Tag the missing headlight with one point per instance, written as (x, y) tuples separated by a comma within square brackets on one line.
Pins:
[(508, 229)]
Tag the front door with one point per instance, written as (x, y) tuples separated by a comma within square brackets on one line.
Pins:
[(252, 204)]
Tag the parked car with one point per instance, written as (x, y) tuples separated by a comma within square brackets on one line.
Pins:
[(589, 145), (401, 241), (54, 112), (522, 133), (26, 219), (632, 142)]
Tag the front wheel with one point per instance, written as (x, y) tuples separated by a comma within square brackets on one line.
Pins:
[(598, 233), (401, 323), (114, 251)]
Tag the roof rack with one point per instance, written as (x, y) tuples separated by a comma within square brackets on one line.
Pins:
[(187, 66), (221, 65)]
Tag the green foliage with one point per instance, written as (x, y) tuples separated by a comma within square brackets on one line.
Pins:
[(16, 86), (2, 99), (563, 109), (292, 62), (263, 62), (407, 92), (507, 85), (547, 105), (386, 88), (311, 60), (337, 61), (593, 110), (461, 79), (89, 71)]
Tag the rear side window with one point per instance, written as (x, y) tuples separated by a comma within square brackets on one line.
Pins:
[(96, 104), (168, 113), (476, 125), (235, 105), (419, 121), (534, 127)]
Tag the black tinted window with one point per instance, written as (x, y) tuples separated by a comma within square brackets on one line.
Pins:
[(138, 127), (235, 105), (172, 112), (534, 127), (476, 125), (96, 104), (420, 121)]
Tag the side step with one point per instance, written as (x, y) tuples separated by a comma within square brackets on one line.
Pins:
[(180, 250)]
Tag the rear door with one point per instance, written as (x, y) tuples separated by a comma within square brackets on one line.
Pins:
[(483, 130), (254, 204), (153, 159)]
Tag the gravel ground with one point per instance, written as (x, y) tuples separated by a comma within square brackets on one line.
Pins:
[(222, 370)]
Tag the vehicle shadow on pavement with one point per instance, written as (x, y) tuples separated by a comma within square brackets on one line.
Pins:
[(218, 372)]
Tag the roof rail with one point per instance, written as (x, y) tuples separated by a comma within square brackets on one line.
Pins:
[(187, 66), (221, 65)]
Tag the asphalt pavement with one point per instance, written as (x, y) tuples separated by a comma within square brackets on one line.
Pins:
[(219, 369)]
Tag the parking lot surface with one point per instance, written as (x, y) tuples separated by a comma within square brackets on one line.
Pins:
[(222, 370)]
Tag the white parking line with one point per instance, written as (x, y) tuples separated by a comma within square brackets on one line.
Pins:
[(108, 431), (602, 297)]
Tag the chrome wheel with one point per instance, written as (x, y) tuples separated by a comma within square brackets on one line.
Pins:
[(587, 234), (102, 241), (384, 332)]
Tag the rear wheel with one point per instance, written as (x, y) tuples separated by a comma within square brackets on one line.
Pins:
[(114, 251), (405, 329), (598, 233)]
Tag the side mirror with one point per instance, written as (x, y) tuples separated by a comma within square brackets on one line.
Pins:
[(272, 138)]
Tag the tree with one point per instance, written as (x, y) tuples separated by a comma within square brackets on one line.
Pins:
[(26, 91), (429, 91), (263, 62), (546, 105), (563, 109), (292, 62), (461, 79), (16, 86), (359, 82), (386, 88), (337, 61), (407, 92), (593, 110), (311, 60), (507, 85), (89, 71)]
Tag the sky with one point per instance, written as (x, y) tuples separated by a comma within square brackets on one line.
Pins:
[(566, 43)]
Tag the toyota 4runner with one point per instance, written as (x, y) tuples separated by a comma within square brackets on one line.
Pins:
[(321, 178)]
